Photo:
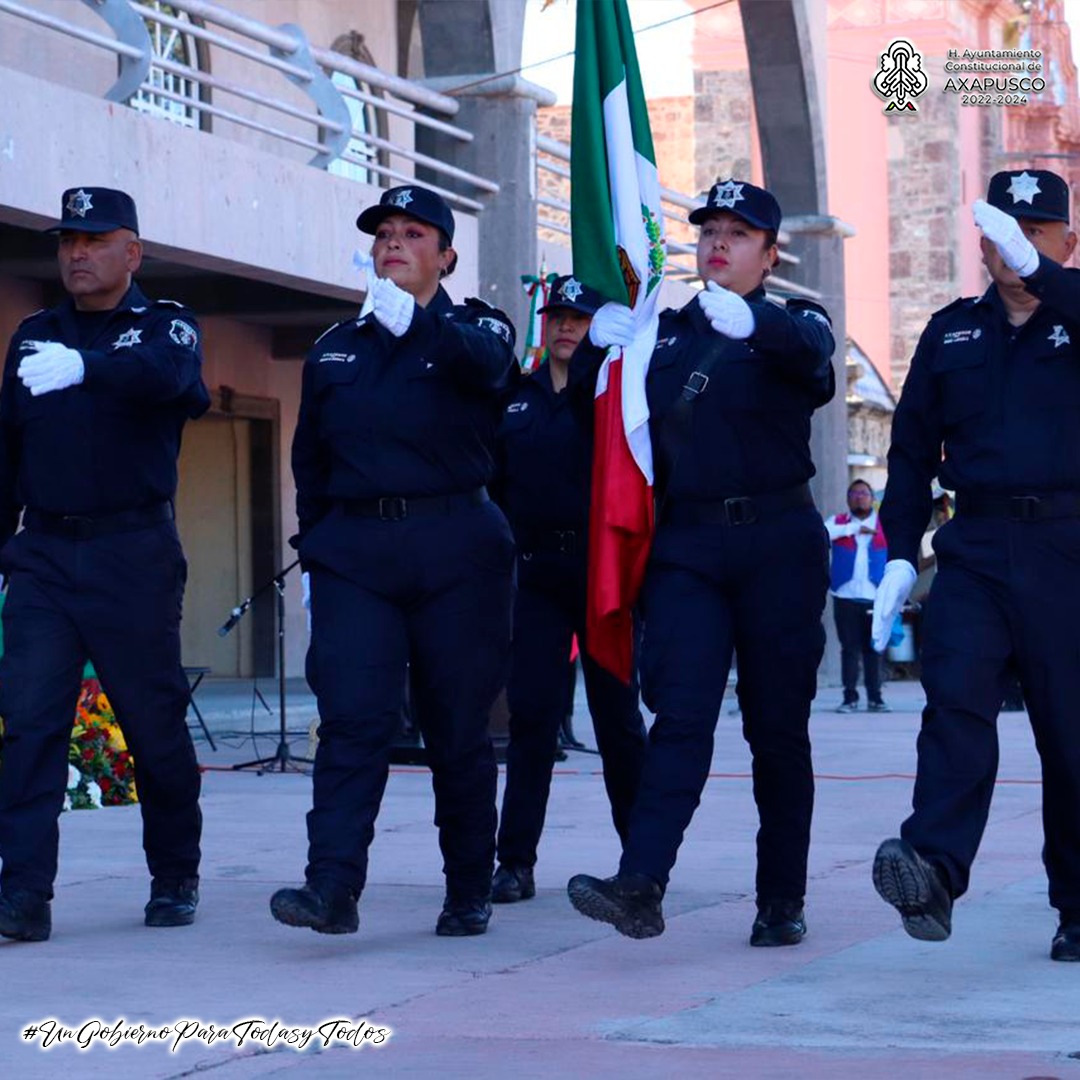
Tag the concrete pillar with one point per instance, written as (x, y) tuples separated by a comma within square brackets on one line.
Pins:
[(501, 114), (784, 43)]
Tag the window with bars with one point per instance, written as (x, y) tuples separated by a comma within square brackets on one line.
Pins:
[(168, 93)]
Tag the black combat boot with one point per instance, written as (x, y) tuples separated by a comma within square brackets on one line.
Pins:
[(172, 902), (25, 916), (916, 888), (629, 902), (325, 906), (511, 884)]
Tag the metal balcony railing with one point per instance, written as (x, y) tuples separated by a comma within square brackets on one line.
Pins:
[(314, 115)]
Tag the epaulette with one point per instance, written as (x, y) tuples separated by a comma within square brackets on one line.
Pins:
[(808, 309), (475, 301), (959, 302), (329, 330), (170, 303), (33, 315)]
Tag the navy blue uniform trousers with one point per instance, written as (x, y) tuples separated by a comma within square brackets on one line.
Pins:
[(1005, 594), (549, 609), (432, 593), (117, 600), (759, 590)]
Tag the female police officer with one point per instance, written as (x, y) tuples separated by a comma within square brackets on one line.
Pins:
[(409, 561), (739, 560), (544, 458)]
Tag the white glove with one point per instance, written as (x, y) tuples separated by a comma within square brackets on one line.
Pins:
[(366, 265), (728, 312), (392, 305), (52, 367), (1004, 232), (613, 324), (895, 588)]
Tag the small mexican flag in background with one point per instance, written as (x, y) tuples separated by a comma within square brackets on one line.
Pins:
[(618, 245)]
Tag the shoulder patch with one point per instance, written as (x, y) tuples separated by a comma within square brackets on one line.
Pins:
[(808, 309), (497, 327), (183, 333), (493, 320), (168, 303)]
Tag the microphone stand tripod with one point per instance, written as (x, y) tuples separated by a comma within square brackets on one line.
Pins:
[(282, 757)]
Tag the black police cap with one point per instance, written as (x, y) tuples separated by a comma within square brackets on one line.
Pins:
[(1030, 193), (415, 202), (753, 204), (96, 210), (568, 292)]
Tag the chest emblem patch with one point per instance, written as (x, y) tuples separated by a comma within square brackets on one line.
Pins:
[(127, 339)]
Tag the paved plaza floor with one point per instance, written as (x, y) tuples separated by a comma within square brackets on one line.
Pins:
[(547, 992)]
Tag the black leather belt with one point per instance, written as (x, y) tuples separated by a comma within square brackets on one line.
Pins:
[(559, 541), (398, 508), (1055, 504), (740, 510), (87, 526)]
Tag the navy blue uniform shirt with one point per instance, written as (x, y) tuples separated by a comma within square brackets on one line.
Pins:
[(110, 443), (409, 416), (750, 432), (544, 461), (1003, 401)]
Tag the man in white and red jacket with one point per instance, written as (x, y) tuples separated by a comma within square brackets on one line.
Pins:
[(859, 554)]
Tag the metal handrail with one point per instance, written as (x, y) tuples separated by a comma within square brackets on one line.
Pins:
[(53, 23), (277, 39), (287, 50), (206, 79)]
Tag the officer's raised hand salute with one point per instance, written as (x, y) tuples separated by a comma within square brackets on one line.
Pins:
[(95, 395), (992, 405), (410, 562), (739, 562)]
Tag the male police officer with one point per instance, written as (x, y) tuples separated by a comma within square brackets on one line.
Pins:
[(544, 456), (95, 394), (996, 380)]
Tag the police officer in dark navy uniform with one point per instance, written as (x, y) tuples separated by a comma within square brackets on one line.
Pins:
[(95, 395), (995, 382), (739, 561), (410, 562), (545, 460)]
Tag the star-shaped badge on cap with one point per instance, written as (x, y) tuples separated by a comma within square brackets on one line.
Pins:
[(728, 194), (79, 203), (402, 198), (571, 289), (1024, 188)]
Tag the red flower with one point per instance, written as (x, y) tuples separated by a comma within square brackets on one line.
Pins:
[(88, 754)]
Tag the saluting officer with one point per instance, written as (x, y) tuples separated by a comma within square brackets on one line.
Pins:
[(95, 395), (410, 563), (739, 560), (545, 459), (995, 380)]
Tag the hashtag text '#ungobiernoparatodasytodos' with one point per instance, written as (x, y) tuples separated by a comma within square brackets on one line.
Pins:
[(357, 1033)]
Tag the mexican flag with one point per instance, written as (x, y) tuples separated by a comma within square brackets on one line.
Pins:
[(618, 243)]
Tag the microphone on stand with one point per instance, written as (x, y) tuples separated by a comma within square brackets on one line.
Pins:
[(235, 616)]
